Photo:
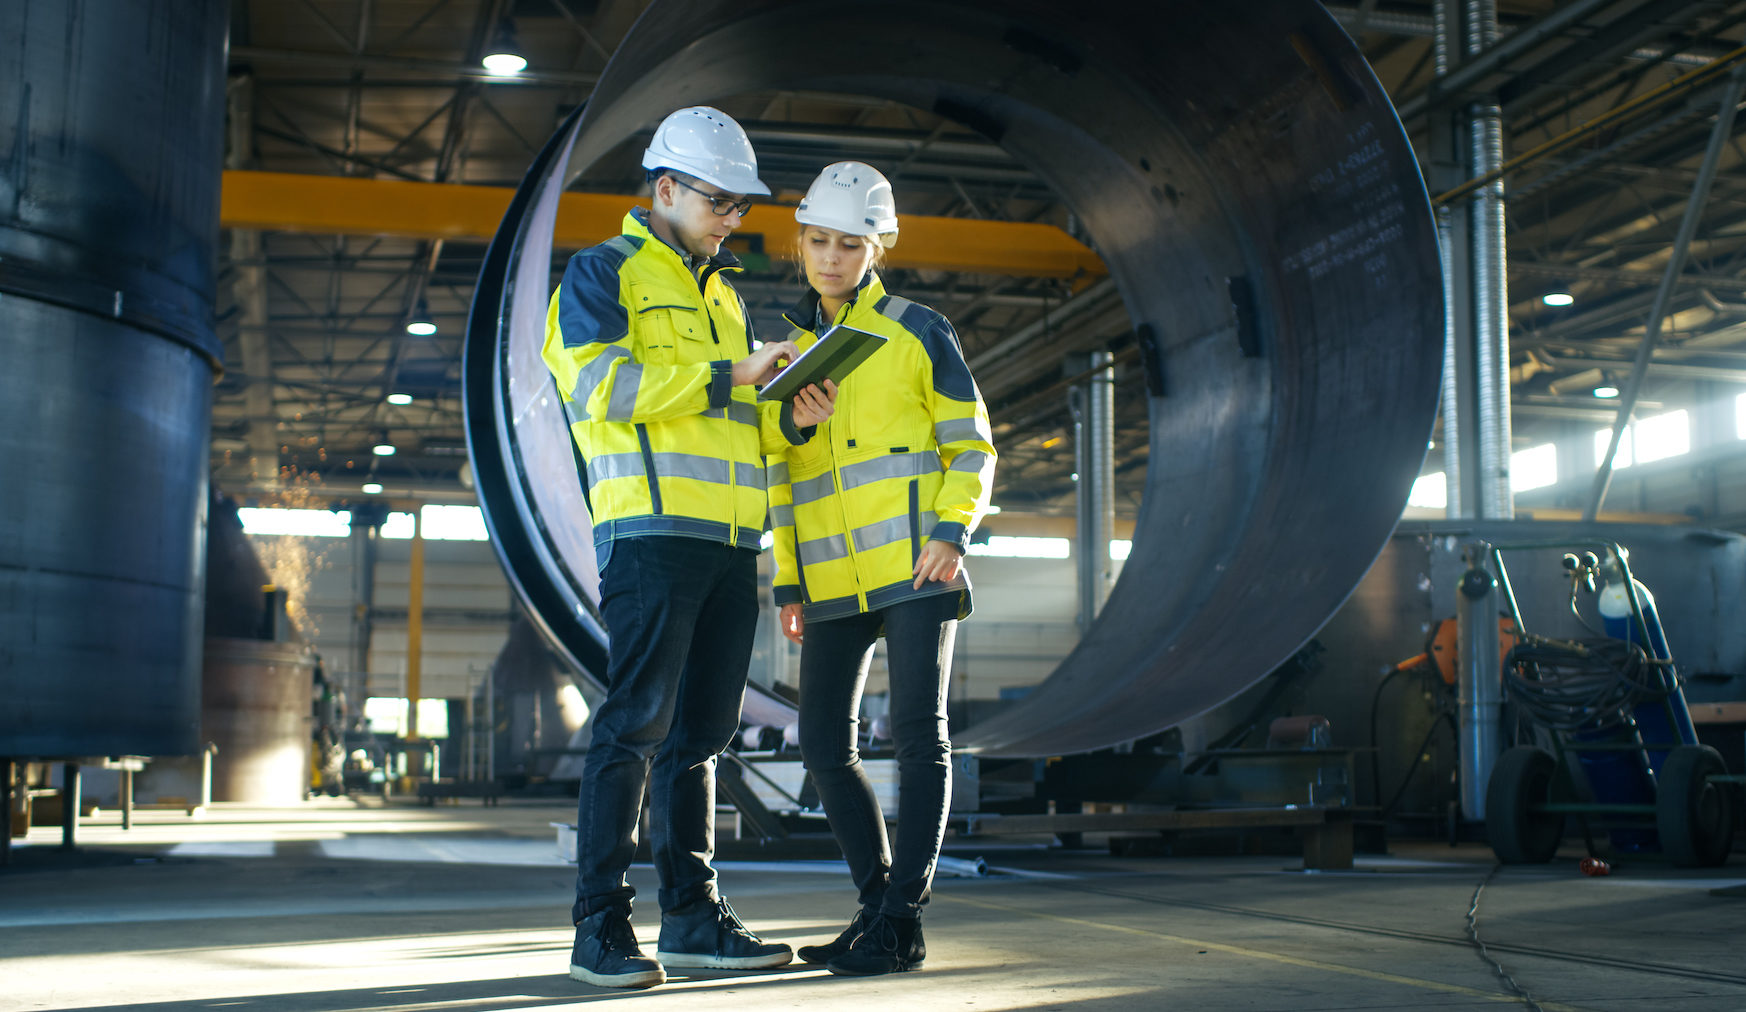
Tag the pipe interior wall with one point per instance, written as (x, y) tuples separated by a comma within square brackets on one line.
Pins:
[(1289, 407)]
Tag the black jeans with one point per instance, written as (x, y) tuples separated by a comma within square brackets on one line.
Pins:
[(919, 634), (681, 613)]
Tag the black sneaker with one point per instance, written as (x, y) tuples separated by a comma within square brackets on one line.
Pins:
[(820, 954), (606, 953), (888, 945), (708, 933)]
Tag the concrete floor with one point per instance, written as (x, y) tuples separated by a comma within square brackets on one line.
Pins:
[(338, 905)]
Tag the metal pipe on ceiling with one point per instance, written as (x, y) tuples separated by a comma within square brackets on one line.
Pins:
[(1262, 216)]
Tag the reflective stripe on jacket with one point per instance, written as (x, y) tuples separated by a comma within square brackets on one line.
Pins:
[(642, 350), (907, 457)]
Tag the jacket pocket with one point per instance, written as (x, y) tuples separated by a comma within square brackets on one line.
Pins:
[(667, 324)]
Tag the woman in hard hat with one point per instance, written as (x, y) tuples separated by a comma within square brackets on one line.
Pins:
[(872, 517)]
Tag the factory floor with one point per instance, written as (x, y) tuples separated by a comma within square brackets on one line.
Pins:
[(338, 905)]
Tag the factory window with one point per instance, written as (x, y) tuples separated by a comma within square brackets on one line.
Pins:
[(440, 523), (1662, 436), (1655, 438), (1430, 491), (1022, 548), (387, 715), (304, 523), (1535, 467), (1622, 459), (1119, 549)]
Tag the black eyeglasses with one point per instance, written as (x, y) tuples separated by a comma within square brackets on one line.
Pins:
[(717, 203)]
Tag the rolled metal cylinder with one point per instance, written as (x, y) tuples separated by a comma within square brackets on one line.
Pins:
[(110, 135), (256, 707), (1248, 185)]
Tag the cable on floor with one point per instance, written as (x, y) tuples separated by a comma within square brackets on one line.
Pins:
[(1484, 953)]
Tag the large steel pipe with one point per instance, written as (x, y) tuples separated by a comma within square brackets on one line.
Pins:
[(1248, 184), (110, 141)]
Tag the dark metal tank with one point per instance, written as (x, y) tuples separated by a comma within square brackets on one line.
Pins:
[(111, 126)]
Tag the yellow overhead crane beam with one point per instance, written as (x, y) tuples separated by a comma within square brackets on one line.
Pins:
[(340, 205)]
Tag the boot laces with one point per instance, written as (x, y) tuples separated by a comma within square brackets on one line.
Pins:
[(729, 920), (880, 933), (616, 934)]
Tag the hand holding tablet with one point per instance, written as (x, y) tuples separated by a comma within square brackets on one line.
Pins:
[(838, 351)]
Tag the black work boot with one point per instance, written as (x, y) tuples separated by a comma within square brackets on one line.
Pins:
[(606, 953), (887, 945), (708, 933), (819, 954)]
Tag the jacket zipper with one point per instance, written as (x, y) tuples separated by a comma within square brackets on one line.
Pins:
[(843, 511), (733, 536)]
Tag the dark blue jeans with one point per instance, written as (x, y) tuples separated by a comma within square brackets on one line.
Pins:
[(681, 613), (919, 634)]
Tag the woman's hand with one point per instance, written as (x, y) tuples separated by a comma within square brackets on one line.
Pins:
[(793, 623), (939, 561), (813, 405)]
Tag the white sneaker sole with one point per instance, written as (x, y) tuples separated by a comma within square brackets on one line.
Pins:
[(646, 978), (694, 959)]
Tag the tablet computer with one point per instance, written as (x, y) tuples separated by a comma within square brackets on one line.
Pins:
[(837, 351)]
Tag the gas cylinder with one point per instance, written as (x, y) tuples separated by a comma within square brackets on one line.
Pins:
[(1615, 610)]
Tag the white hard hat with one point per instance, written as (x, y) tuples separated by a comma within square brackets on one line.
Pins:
[(851, 197), (708, 144)]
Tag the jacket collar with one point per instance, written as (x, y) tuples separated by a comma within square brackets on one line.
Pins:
[(636, 225), (804, 314)]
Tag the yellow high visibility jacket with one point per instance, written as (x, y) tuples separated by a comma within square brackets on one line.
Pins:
[(642, 346), (907, 456)]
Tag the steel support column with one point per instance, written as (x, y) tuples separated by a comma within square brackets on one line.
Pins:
[(1467, 142), (1093, 405), (415, 626), (366, 532)]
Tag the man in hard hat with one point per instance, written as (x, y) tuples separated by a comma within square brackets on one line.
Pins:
[(653, 354)]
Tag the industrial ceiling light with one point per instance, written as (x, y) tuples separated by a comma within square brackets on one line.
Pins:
[(383, 449), (400, 399), (372, 488), (1604, 392), (1558, 297), (419, 324), (503, 58)]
